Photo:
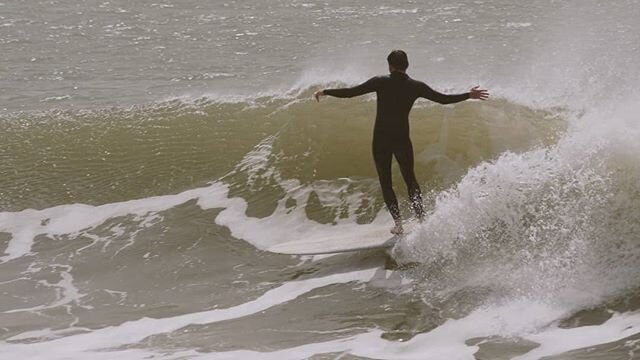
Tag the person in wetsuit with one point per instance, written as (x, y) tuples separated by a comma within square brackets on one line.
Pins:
[(396, 94)]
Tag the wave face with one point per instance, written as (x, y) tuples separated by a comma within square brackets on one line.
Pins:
[(139, 187)]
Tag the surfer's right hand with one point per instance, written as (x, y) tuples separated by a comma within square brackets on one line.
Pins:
[(318, 94)]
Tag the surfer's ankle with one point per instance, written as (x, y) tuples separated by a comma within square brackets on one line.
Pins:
[(397, 228)]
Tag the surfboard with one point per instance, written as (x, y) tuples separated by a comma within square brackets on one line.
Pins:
[(374, 237)]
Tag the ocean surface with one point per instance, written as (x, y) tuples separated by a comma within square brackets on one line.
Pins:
[(150, 151)]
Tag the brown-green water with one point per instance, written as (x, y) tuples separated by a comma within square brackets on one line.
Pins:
[(151, 152)]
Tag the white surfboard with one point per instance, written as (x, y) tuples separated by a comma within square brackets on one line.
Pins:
[(374, 237)]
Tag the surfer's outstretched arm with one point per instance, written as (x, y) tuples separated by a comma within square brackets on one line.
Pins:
[(364, 88), (475, 93)]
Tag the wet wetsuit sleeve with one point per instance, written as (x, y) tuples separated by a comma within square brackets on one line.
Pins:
[(364, 88), (428, 93)]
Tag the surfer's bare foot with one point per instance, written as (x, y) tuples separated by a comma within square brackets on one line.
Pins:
[(397, 229)]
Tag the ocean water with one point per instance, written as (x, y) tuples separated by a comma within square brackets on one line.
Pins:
[(152, 150)]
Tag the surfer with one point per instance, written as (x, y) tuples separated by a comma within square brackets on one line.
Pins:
[(396, 94)]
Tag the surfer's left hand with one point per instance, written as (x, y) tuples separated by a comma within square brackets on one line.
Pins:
[(476, 93), (318, 94)]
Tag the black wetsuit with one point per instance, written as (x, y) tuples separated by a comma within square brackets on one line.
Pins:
[(396, 94)]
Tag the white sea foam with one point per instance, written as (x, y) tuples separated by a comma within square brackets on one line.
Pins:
[(66, 292), (467, 208), (25, 225), (557, 340), (520, 319), (448, 341), (134, 331), (282, 226), (585, 61)]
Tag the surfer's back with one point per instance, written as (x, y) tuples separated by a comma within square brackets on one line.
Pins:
[(396, 94)]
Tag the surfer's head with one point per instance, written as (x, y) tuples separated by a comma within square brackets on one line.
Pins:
[(398, 61)]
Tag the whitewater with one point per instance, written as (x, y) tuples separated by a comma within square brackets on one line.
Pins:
[(152, 151)]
